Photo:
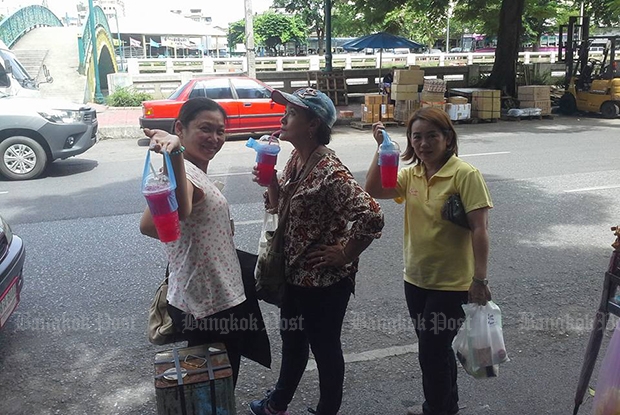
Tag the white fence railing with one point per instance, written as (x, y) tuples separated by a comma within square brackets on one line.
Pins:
[(137, 66)]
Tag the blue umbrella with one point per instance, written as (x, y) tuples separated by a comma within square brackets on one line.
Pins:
[(380, 40)]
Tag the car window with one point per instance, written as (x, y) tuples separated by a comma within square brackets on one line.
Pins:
[(212, 88), (250, 89)]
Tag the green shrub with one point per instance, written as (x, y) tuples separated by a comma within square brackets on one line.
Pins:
[(127, 97)]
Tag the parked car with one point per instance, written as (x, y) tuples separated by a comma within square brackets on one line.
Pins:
[(247, 103), (12, 256), (36, 131)]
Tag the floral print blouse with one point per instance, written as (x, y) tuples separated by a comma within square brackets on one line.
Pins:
[(329, 206)]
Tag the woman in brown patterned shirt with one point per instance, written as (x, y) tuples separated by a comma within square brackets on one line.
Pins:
[(332, 220)]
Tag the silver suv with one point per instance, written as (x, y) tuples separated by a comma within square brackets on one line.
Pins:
[(36, 131)]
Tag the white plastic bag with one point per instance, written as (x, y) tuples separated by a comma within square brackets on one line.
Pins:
[(479, 344), (270, 224)]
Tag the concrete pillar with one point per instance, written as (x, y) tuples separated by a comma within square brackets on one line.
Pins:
[(119, 80), (347, 63), (527, 58), (279, 65), (244, 66), (315, 63), (470, 59), (442, 59), (132, 66), (411, 59), (186, 77), (169, 65), (207, 65), (552, 57)]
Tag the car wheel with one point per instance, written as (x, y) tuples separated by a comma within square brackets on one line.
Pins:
[(21, 158), (568, 105), (610, 109)]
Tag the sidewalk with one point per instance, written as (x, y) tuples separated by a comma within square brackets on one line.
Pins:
[(122, 122)]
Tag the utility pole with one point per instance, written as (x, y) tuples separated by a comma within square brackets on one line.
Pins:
[(93, 39), (250, 52), (328, 35)]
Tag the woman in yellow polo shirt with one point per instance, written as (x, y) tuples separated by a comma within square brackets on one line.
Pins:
[(445, 264)]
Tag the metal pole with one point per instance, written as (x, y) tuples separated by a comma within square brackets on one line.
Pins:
[(448, 35), (120, 42), (250, 52), (328, 35), (91, 24)]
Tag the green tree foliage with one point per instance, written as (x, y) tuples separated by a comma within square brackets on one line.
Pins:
[(236, 34), (310, 12), (273, 29)]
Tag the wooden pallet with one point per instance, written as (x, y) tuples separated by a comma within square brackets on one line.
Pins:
[(368, 125), (527, 117), (474, 120)]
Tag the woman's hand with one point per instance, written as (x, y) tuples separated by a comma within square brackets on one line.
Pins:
[(274, 178), (377, 132), (162, 141), (478, 293), (328, 256)]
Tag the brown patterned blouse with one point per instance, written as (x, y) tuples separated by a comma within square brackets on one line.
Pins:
[(329, 206)]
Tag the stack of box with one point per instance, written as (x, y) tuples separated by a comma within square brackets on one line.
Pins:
[(405, 91), (458, 108), (535, 96), (433, 93), (486, 104), (371, 108)]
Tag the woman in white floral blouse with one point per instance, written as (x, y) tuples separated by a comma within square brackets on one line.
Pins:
[(332, 220)]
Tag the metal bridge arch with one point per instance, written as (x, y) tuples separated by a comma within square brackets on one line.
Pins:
[(106, 60), (24, 20)]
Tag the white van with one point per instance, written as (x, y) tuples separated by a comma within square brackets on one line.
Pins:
[(14, 79)]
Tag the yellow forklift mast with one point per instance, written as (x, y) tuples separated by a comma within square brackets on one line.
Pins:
[(591, 85)]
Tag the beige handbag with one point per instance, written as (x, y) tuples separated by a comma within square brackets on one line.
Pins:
[(160, 327)]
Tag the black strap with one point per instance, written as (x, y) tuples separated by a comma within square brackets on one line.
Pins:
[(211, 382), (314, 159), (177, 366)]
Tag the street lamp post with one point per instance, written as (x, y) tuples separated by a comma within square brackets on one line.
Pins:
[(450, 12), (121, 52), (91, 25)]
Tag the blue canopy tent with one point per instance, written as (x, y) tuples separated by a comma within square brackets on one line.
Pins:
[(380, 40)]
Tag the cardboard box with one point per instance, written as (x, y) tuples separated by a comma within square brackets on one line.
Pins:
[(440, 104), (487, 93), (457, 100), (534, 92), (434, 85), (371, 113), (486, 115), (405, 96), (387, 112), (458, 111), (484, 103), (414, 76), (398, 88), (544, 105), (432, 96), (375, 99), (414, 67), (404, 109)]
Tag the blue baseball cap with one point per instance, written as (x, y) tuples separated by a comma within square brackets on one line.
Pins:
[(309, 98)]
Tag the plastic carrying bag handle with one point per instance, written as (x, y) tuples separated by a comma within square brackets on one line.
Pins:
[(148, 168)]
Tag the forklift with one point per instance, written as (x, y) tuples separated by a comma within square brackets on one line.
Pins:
[(590, 85)]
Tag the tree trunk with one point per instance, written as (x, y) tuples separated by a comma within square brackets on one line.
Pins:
[(321, 42), (504, 73)]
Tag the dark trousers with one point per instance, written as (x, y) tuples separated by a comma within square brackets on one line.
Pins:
[(437, 317), (196, 337), (312, 317)]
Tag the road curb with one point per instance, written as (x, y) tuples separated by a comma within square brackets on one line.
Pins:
[(120, 132)]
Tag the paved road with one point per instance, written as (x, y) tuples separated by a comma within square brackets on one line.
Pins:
[(78, 345)]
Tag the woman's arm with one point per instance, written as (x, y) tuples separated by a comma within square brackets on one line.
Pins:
[(147, 226), (478, 222), (373, 176)]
